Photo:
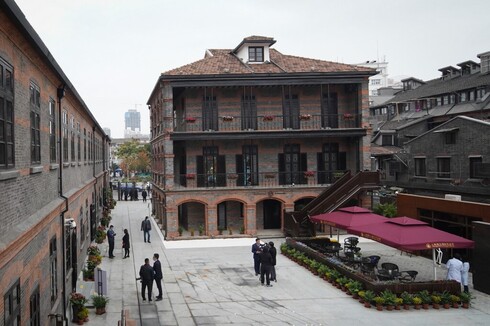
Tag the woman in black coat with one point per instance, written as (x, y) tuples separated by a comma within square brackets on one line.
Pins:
[(273, 252), (125, 245), (265, 266)]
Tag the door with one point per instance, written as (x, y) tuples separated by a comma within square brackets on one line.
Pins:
[(209, 113), (330, 111), (247, 166), (249, 112), (291, 111), (272, 214), (292, 165)]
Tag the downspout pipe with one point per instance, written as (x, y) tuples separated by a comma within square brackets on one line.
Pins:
[(93, 171), (60, 92)]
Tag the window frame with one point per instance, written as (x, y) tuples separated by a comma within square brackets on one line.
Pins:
[(35, 122), (473, 160), (53, 261), (52, 130), (253, 54), (35, 308), (442, 164), (420, 166), (65, 135), (13, 308), (7, 115)]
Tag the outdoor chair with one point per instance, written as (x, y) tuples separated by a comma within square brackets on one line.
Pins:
[(351, 242), (407, 276), (333, 248)]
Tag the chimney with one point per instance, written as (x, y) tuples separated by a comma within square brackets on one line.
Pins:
[(484, 62)]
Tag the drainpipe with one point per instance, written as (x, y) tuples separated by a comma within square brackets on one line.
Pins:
[(93, 173), (60, 92)]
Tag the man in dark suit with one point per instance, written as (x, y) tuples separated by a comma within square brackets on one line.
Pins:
[(157, 267), (257, 250), (147, 276)]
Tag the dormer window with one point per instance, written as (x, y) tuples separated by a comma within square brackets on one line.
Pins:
[(256, 54)]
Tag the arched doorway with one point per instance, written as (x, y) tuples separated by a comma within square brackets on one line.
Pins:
[(230, 215), (301, 203), (271, 214), (192, 215)]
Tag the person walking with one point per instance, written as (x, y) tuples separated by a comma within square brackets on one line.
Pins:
[(157, 267), (110, 237), (146, 275), (125, 243), (144, 194), (265, 266), (146, 228), (454, 268), (273, 252), (257, 250), (465, 274)]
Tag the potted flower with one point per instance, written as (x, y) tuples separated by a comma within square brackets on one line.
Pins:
[(446, 299), (379, 301), (268, 118), (426, 299), (190, 119), (180, 230), (361, 294), (227, 118), (305, 116), (242, 229), (455, 300), (100, 302), (417, 302), (407, 300), (269, 176), (93, 250), (230, 230), (82, 315), (388, 299), (78, 302), (348, 116), (88, 274), (308, 174), (398, 303), (436, 299), (191, 230), (368, 298), (190, 176), (201, 229), (465, 299)]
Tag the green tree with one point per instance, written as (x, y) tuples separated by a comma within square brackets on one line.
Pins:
[(388, 209), (134, 156)]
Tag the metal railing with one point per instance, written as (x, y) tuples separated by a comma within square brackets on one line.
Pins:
[(267, 122)]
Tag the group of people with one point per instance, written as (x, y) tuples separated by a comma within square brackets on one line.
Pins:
[(458, 270), (148, 275), (111, 236), (264, 256)]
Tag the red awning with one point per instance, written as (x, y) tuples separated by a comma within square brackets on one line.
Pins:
[(347, 217), (410, 234)]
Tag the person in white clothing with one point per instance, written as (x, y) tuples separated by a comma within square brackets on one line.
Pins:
[(464, 274), (454, 268)]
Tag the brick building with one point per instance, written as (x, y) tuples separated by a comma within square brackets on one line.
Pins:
[(52, 175), (247, 133)]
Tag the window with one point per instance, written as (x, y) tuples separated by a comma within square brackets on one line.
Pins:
[(79, 154), (256, 54), (450, 138), (439, 101), (68, 249), (471, 96), (292, 165), (65, 135), (247, 166), (52, 130), (485, 64), (480, 93), (35, 310), (83, 233), (462, 97), (210, 113), (12, 305), (84, 144), (474, 162), (35, 104), (249, 112), (445, 100), (420, 169), (53, 260), (211, 168), (444, 167), (7, 157), (290, 111), (375, 81), (72, 140), (387, 140)]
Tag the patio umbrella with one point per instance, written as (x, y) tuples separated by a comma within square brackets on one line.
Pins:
[(409, 234), (346, 217)]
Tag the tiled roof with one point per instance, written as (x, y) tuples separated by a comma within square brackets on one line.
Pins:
[(443, 86), (223, 61)]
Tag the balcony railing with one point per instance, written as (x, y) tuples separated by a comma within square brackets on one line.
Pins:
[(262, 179), (268, 122)]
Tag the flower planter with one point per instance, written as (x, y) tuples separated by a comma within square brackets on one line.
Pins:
[(466, 305), (389, 307), (446, 306), (416, 306), (406, 306), (100, 310), (398, 307), (379, 307), (425, 306), (367, 305), (455, 305)]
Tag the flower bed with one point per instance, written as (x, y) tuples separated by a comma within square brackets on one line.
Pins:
[(391, 295)]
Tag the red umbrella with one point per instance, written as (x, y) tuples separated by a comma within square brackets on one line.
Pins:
[(347, 217)]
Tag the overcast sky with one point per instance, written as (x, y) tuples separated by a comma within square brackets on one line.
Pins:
[(114, 50)]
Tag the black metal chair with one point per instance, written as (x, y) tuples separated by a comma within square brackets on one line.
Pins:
[(407, 276), (333, 248), (388, 271), (351, 242), (370, 264)]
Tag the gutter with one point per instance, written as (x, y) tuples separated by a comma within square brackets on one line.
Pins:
[(60, 92)]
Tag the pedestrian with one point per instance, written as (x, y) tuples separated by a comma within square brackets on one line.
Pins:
[(144, 194), (110, 237), (125, 243), (126, 194), (257, 250), (265, 266), (146, 276), (146, 228), (273, 252), (464, 274), (157, 267), (454, 268)]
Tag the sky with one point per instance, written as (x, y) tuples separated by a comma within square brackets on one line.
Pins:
[(113, 51)]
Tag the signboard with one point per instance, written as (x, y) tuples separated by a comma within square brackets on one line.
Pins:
[(100, 278)]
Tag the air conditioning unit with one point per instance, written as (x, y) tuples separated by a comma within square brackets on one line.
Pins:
[(452, 197)]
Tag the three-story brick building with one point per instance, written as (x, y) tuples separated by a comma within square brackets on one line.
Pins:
[(247, 133), (53, 172)]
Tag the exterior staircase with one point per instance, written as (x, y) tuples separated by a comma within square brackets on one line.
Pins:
[(298, 224)]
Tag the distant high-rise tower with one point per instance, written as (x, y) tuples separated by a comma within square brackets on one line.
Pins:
[(132, 120), (107, 131)]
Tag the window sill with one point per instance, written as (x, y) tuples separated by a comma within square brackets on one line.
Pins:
[(79, 163), (54, 166), (73, 164), (36, 169), (6, 175), (66, 165)]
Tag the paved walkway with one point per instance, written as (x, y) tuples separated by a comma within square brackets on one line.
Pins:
[(212, 282)]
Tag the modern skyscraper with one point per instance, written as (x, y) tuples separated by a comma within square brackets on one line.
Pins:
[(132, 120)]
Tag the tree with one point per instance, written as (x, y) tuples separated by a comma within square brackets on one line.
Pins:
[(388, 209), (134, 156)]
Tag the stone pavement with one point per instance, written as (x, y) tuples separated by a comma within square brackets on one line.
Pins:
[(212, 282)]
